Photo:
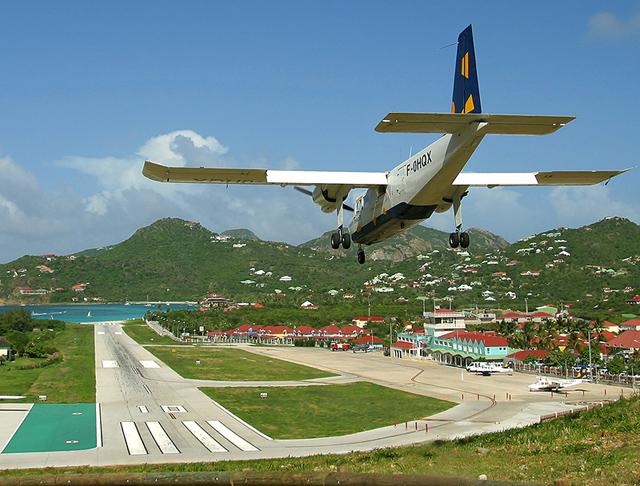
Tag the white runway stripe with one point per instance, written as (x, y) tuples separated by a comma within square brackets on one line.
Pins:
[(165, 444), (200, 434), (149, 364), (133, 439), (231, 436), (109, 363)]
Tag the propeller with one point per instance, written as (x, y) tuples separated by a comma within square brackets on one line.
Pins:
[(306, 191)]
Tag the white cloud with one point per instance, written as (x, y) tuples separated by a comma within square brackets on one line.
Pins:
[(183, 147), (608, 27), (117, 200), (586, 204)]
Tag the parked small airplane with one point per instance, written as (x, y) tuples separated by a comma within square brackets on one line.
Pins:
[(553, 384), (429, 181), (486, 369)]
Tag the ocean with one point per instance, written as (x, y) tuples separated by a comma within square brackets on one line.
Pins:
[(94, 312)]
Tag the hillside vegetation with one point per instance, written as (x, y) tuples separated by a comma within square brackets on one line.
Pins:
[(595, 268)]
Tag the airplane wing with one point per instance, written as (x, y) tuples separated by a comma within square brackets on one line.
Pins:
[(457, 122), (549, 178), (283, 178)]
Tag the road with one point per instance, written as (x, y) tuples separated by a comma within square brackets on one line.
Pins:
[(150, 414)]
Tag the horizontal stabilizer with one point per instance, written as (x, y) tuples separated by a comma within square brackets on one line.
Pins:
[(457, 122), (162, 173), (550, 178)]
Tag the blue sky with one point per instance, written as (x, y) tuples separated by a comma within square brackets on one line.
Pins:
[(89, 90)]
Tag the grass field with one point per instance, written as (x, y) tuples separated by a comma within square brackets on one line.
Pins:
[(596, 448), (143, 334), (324, 411), (71, 381), (229, 364)]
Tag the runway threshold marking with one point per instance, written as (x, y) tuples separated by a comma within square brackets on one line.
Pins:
[(232, 437), (143, 409), (164, 442), (132, 438), (204, 438), (149, 364), (110, 363)]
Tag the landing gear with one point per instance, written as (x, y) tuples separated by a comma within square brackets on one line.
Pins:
[(360, 256), (340, 238), (459, 238)]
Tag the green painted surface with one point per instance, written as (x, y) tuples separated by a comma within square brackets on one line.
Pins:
[(55, 427)]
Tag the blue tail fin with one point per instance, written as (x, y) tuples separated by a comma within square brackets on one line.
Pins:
[(466, 93)]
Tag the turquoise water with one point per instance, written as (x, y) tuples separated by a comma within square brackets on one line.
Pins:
[(94, 312)]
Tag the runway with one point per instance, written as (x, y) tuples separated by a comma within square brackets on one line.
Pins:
[(149, 414)]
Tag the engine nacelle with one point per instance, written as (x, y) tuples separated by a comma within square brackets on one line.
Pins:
[(321, 199)]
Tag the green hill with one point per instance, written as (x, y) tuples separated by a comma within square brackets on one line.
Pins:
[(173, 259)]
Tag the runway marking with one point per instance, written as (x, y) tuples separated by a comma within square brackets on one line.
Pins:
[(173, 408), (109, 363), (118, 332), (143, 409), (232, 437), (135, 446), (101, 332), (146, 388), (150, 364), (165, 444), (200, 434)]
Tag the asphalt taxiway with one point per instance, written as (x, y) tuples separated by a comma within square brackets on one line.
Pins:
[(150, 414)]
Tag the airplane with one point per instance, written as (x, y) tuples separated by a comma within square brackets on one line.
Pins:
[(429, 181), (553, 384), (486, 369)]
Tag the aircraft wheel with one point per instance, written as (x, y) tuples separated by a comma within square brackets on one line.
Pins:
[(360, 257), (346, 241), (454, 240), (335, 241), (464, 240)]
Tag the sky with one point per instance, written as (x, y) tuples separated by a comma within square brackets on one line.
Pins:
[(90, 90)]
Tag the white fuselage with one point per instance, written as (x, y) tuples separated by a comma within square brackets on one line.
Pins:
[(416, 188)]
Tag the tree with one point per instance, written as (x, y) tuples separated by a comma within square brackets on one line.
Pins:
[(616, 364), (560, 359), (17, 319), (35, 350)]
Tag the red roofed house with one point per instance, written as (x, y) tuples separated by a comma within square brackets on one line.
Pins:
[(403, 349), (370, 340), (330, 331), (514, 317), (353, 331), (541, 316), (305, 331), (627, 341), (633, 300), (631, 325)]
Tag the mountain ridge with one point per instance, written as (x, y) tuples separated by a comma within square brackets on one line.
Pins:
[(173, 259)]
